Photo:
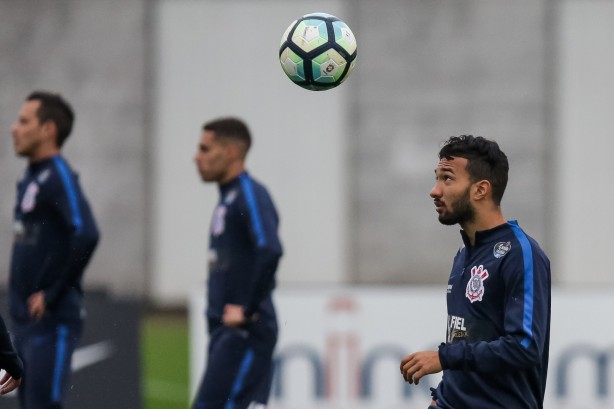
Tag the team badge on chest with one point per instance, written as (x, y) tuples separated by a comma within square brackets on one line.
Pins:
[(28, 201), (475, 286), (218, 225)]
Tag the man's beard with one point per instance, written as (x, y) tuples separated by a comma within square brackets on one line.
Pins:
[(462, 211)]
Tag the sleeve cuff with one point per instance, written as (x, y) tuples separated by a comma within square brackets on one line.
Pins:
[(442, 356)]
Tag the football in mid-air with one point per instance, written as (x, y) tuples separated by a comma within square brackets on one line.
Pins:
[(318, 51)]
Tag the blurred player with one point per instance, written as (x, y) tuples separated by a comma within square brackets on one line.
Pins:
[(244, 251), (54, 237), (9, 361), (498, 335)]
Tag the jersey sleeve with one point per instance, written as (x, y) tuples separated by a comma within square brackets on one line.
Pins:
[(262, 229), (526, 315), (65, 195), (9, 360)]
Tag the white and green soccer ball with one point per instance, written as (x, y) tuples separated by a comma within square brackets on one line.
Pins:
[(318, 51)]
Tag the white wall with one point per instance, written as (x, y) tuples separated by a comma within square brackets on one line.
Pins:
[(204, 70), (585, 143)]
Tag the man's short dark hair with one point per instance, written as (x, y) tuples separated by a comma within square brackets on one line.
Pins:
[(230, 128), (54, 108), (485, 161)]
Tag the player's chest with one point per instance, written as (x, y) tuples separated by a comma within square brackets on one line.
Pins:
[(228, 221), (31, 192), (475, 283)]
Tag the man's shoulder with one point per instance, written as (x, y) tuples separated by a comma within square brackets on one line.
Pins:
[(45, 175), (58, 177), (248, 179), (523, 240), (252, 186), (55, 167)]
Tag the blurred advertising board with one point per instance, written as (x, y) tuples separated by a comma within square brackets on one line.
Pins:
[(340, 347), (106, 365)]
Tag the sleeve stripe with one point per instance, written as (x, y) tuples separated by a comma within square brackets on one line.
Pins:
[(252, 204), (527, 255), (70, 191)]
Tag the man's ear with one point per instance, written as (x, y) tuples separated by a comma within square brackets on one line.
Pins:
[(233, 150), (238, 150), (482, 189), (50, 131)]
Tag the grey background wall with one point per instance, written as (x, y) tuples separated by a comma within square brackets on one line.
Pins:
[(299, 140), (426, 70), (431, 69), (94, 53)]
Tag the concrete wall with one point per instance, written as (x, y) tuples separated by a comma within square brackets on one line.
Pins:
[(217, 59), (95, 54), (440, 68), (585, 142), (511, 71)]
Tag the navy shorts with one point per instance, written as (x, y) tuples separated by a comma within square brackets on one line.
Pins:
[(239, 371), (46, 349)]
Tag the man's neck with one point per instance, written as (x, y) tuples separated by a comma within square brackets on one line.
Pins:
[(487, 222), (43, 155), (232, 174)]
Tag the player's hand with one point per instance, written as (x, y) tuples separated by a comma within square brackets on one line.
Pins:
[(419, 364), (234, 315), (8, 383), (36, 305)]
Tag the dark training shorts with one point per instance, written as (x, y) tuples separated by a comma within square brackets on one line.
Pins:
[(239, 371)]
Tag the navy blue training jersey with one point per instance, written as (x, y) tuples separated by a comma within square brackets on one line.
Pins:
[(498, 334), (244, 251), (54, 237)]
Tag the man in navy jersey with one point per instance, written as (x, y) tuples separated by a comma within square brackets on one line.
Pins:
[(244, 251), (498, 294), (54, 237)]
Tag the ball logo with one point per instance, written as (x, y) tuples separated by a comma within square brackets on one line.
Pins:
[(330, 68), (475, 286)]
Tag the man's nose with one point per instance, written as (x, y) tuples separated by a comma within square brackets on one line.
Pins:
[(435, 192)]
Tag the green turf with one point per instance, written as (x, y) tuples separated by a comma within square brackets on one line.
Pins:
[(165, 361)]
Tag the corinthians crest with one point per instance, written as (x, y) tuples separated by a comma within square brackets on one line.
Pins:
[(475, 286)]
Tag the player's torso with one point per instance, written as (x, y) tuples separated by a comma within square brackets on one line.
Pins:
[(476, 292), (229, 242), (41, 239), (40, 235)]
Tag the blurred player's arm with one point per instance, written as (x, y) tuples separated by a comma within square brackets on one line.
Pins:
[(9, 361), (65, 197), (260, 280)]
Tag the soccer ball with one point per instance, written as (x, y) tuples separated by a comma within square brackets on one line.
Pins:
[(318, 51)]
